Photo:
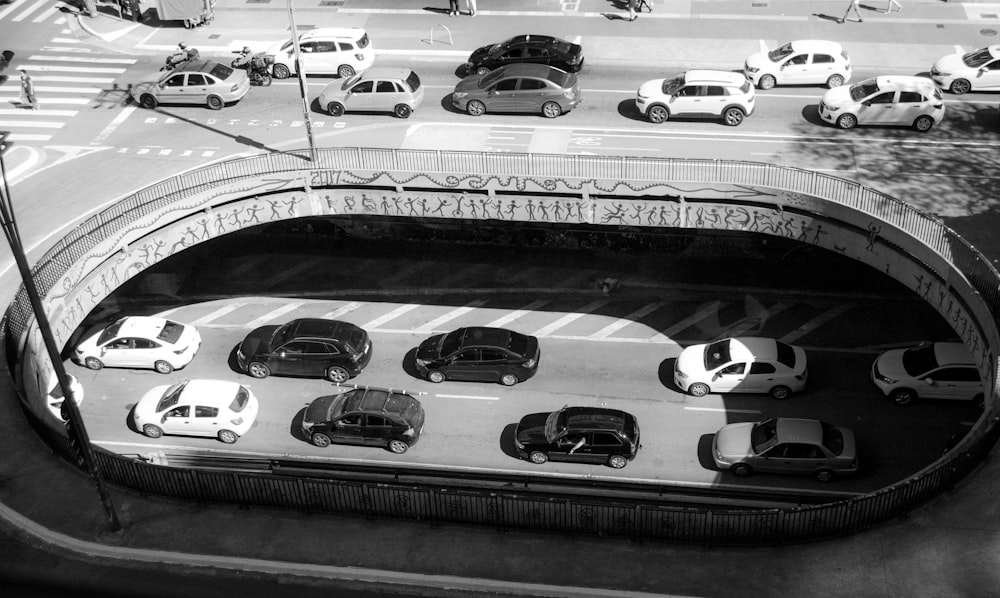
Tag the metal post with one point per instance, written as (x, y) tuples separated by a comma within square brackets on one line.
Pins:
[(303, 89), (70, 411)]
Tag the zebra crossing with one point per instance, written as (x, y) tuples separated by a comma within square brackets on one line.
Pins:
[(35, 11)]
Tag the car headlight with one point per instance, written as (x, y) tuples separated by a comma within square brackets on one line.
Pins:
[(886, 379), (359, 57), (750, 69), (423, 362), (518, 444), (409, 432), (680, 374), (720, 457), (831, 108), (460, 94), (530, 363)]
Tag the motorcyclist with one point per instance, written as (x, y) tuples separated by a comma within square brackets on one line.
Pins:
[(243, 60), (183, 54)]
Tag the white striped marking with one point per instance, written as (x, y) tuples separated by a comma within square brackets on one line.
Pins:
[(83, 59), (31, 124), (694, 318), (341, 311), (752, 322), (31, 113), (274, 314), (287, 273), (814, 323), (392, 315), (74, 80), (563, 321), (215, 315), (30, 10), (15, 100), (451, 315), (50, 68), (48, 13), (508, 318), (28, 137), (721, 410), (625, 321), (114, 124), (406, 271), (474, 397)]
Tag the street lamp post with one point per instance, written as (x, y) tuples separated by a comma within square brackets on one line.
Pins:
[(70, 411), (300, 69)]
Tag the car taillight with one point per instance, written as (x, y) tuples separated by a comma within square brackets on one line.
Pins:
[(530, 363), (359, 57), (803, 375), (409, 432), (574, 60), (234, 88), (422, 362)]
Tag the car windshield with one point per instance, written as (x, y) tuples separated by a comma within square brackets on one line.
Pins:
[(672, 85), (350, 82), (764, 435), (864, 89), (786, 354), (562, 47), (171, 397), (919, 360), (171, 332), (452, 341), (220, 71), (240, 400), (363, 42), (490, 78), (833, 439), (356, 338), (413, 81), (555, 425), (497, 48), (777, 54), (717, 354), (110, 332), (977, 58), (281, 335)]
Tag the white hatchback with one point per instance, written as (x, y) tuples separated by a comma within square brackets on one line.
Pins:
[(697, 93), (801, 62), (928, 371), (978, 70), (742, 364), (214, 408), (341, 51), (886, 100), (140, 342)]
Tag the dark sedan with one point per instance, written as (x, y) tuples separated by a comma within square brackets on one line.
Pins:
[(535, 49), (309, 347), (365, 416), (532, 88), (479, 354), (579, 434)]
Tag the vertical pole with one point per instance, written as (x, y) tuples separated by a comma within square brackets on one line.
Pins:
[(303, 86)]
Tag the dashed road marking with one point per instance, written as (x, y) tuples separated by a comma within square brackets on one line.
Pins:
[(566, 319), (274, 314), (451, 315)]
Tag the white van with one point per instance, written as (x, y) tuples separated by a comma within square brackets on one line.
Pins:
[(341, 51)]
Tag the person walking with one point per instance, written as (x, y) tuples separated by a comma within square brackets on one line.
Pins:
[(471, 5), (648, 4), (892, 3), (631, 9), (28, 91), (854, 5), (453, 8)]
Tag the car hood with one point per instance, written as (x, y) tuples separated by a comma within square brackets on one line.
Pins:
[(759, 61), (319, 410), (430, 348), (480, 54), (838, 96), (691, 361), (651, 88), (531, 428), (733, 441), (145, 409), (890, 364), (950, 64), (258, 341), (470, 83)]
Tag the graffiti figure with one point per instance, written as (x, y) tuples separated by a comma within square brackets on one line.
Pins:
[(617, 212), (873, 232)]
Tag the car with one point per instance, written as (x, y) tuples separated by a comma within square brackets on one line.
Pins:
[(786, 445), (193, 82), (341, 51), (800, 62), (140, 342), (942, 370), (479, 353), (579, 434), (534, 49), (528, 88), (200, 407), (742, 364), (978, 70), (697, 93), (366, 416), (376, 90), (309, 347), (885, 100)]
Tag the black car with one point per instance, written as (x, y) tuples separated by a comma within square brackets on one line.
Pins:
[(311, 347), (537, 49), (366, 416), (580, 435), (480, 354)]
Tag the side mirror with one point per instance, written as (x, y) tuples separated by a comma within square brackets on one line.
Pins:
[(929, 381), (163, 419)]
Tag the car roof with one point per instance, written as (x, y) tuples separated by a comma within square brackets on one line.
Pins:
[(952, 354), (799, 430), (385, 72), (529, 69), (816, 45), (595, 418), (211, 392), (904, 82), (197, 66), (482, 336), (530, 38), (756, 346), (696, 76), (147, 326), (379, 400), (321, 328), (350, 32)]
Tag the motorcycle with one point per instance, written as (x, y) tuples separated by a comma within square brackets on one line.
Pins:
[(256, 68), (178, 58)]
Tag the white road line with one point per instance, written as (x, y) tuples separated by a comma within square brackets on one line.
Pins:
[(28, 137), (763, 45), (451, 315), (814, 323), (32, 113), (43, 101), (751, 322), (341, 311), (721, 410), (48, 68), (474, 397), (459, 274), (274, 314), (87, 59), (76, 90), (625, 321), (288, 273), (114, 124), (33, 124), (701, 314), (392, 315), (64, 40), (586, 309), (215, 315), (508, 318), (30, 10), (406, 271), (74, 80), (48, 13)]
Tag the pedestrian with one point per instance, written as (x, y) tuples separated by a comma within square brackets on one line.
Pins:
[(647, 3), (631, 9), (453, 10), (899, 6), (28, 91), (852, 6), (471, 5)]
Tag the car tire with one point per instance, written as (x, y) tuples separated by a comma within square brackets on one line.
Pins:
[(482, 70), (960, 86), (475, 108), (617, 461), (321, 440), (402, 111), (397, 446), (699, 389), (215, 102), (345, 70), (551, 110), (93, 363), (257, 369), (903, 396), (847, 121), (766, 82), (657, 114), (281, 71), (435, 376), (780, 392), (228, 436), (152, 431), (162, 367), (733, 116), (147, 101), (741, 470), (265, 80), (509, 380), (538, 457), (834, 81), (979, 401), (823, 475), (335, 109), (923, 124), (337, 374)]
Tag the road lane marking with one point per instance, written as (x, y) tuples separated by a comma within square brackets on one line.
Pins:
[(701, 314), (405, 271), (289, 273), (392, 315), (341, 311), (274, 314), (86, 59), (29, 10), (459, 274), (566, 319), (473, 397), (508, 318), (114, 124), (451, 315), (722, 410), (73, 80), (814, 323), (36, 124), (48, 100), (624, 321), (755, 321), (32, 113), (55, 68), (215, 315)]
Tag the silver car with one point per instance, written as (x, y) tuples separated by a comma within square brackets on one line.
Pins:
[(533, 88), (193, 82), (376, 90)]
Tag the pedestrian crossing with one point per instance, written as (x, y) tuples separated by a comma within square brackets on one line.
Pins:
[(35, 11)]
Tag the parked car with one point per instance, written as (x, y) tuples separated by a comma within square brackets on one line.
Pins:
[(534, 49), (480, 354), (788, 446), (217, 408), (928, 371), (886, 100), (697, 93), (193, 82), (311, 347), (341, 51), (801, 62), (978, 70), (376, 90), (742, 364), (140, 342), (531, 88), (365, 416), (579, 435)]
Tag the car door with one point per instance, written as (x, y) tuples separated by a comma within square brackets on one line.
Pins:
[(502, 97), (312, 61), (145, 352), (177, 420), (821, 68), (387, 95), (715, 99), (687, 100), (197, 88), (205, 421), (879, 108), (729, 378), (290, 359), (493, 363), (533, 93), (362, 96), (604, 445), (792, 458), (172, 90), (347, 429), (911, 104), (118, 353), (377, 430), (988, 76), (795, 70), (760, 378), (955, 382), (582, 452), (463, 366), (510, 56)]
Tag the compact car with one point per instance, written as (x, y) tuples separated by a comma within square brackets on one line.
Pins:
[(216, 408), (580, 435), (365, 416), (309, 347), (886, 100), (140, 342), (978, 70), (376, 90), (742, 364), (928, 371), (535, 49), (700, 93), (479, 354), (532, 88), (801, 62), (786, 445), (193, 82), (341, 51)]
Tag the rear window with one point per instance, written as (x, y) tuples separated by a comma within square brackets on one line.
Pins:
[(363, 42), (171, 332), (413, 81), (240, 400), (518, 343), (786, 354), (745, 88), (356, 339), (221, 71), (833, 439), (563, 47), (558, 77)]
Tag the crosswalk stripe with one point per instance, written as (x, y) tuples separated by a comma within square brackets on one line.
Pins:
[(215, 315), (48, 13), (451, 315), (48, 68), (88, 59), (755, 321), (815, 323), (341, 311), (64, 40), (44, 101), (22, 137), (626, 320), (508, 318), (407, 271), (701, 314), (392, 315), (289, 273), (49, 88), (33, 113), (32, 124), (74, 79), (29, 10), (7, 11), (460, 274), (274, 314), (566, 319)]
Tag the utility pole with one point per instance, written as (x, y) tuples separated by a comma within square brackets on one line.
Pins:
[(303, 86)]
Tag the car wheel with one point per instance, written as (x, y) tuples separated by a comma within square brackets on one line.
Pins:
[(265, 80), (482, 70), (780, 392), (403, 111), (766, 82), (321, 440), (551, 109), (834, 81), (228, 436), (163, 367), (824, 475), (335, 109), (280, 71), (508, 380), (152, 431), (345, 71), (699, 389), (733, 116), (741, 470), (657, 114), (617, 461), (538, 457), (93, 363), (903, 396), (147, 101), (436, 377), (923, 123), (398, 446), (337, 374), (960, 86), (215, 102), (847, 121), (475, 108), (258, 370)]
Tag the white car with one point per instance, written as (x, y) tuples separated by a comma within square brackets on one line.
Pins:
[(214, 408), (978, 70), (886, 100), (742, 364), (140, 342), (341, 51), (697, 93), (928, 371), (801, 62)]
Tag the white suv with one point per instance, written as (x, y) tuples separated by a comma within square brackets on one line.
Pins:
[(887, 100), (802, 62), (697, 93), (342, 51)]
